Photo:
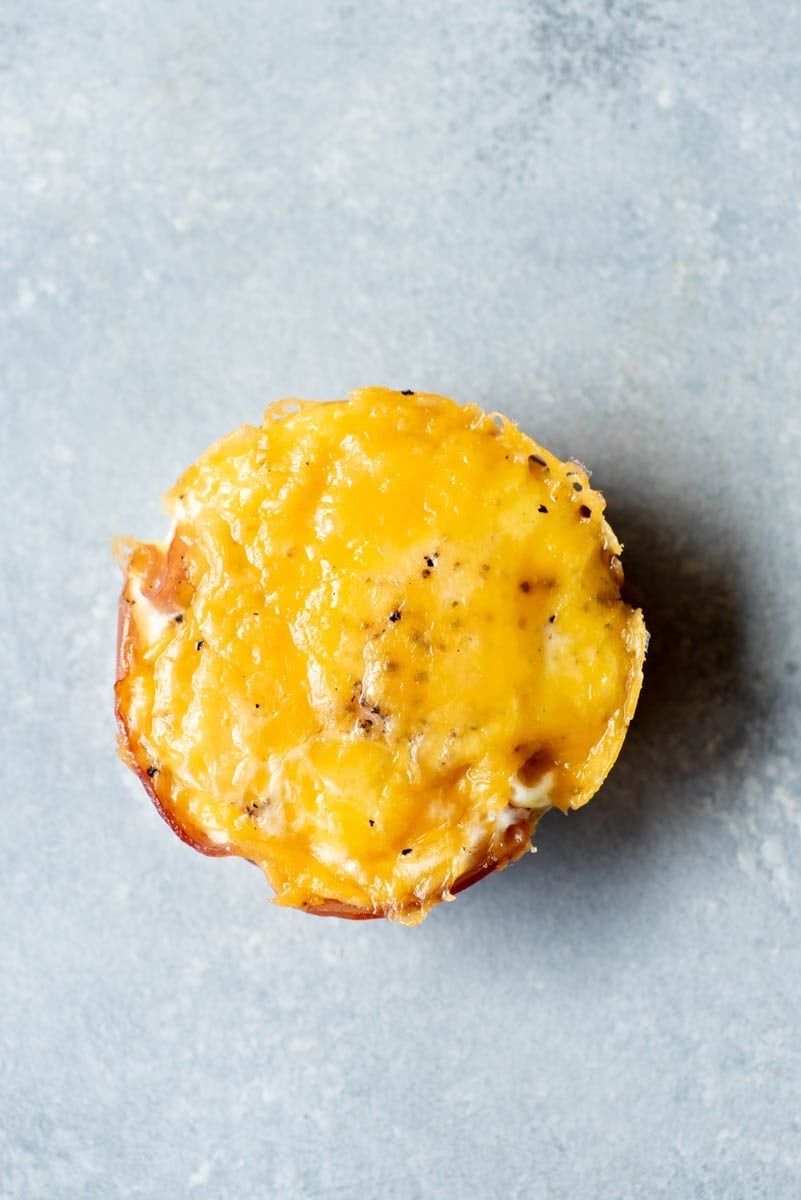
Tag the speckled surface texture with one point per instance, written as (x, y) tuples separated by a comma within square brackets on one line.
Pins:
[(586, 215)]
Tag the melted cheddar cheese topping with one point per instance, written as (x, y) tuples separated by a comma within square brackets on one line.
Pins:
[(386, 635)]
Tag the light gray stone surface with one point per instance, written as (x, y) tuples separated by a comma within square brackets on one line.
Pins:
[(587, 215)]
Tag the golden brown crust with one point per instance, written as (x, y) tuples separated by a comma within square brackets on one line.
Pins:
[(160, 579), (335, 908)]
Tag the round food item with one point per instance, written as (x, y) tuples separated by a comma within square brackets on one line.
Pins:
[(385, 636)]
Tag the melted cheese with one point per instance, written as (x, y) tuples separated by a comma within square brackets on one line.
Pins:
[(399, 640)]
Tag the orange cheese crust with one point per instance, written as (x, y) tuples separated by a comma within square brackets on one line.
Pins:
[(385, 636)]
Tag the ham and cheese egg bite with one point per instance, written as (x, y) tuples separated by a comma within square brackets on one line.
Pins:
[(384, 637)]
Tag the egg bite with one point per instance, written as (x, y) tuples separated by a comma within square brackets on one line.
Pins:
[(384, 636)]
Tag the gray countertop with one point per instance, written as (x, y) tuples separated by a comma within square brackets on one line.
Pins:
[(588, 216)]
